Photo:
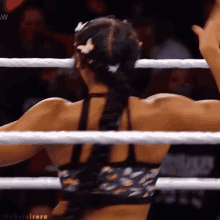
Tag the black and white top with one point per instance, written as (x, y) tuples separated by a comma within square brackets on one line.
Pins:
[(127, 182)]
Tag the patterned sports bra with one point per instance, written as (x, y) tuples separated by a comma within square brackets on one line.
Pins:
[(127, 182)]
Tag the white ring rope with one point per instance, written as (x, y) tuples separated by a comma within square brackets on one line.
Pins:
[(109, 137), (161, 184), (68, 63)]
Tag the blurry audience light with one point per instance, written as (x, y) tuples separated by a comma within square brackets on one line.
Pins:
[(97, 6), (10, 5), (138, 8)]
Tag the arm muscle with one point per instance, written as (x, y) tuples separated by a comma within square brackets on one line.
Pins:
[(188, 115), (38, 118)]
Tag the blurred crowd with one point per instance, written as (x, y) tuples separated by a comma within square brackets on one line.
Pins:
[(35, 34)]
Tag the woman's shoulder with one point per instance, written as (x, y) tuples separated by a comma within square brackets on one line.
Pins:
[(167, 98), (163, 97), (56, 103), (50, 106), (49, 102), (157, 102), (58, 109)]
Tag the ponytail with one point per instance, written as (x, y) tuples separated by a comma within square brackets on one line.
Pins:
[(113, 68)]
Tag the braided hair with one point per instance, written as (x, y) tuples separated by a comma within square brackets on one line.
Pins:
[(116, 49)]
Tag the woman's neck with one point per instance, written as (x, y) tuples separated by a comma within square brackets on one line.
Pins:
[(99, 89), (93, 85)]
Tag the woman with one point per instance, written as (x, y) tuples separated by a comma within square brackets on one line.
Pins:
[(110, 181)]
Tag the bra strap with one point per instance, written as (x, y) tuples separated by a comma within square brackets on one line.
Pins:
[(91, 95), (129, 117), (77, 150), (131, 153), (82, 127)]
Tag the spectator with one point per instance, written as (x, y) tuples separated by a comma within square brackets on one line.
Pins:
[(35, 42), (145, 28), (32, 42), (194, 163), (169, 48), (21, 88), (137, 8), (67, 83), (179, 82)]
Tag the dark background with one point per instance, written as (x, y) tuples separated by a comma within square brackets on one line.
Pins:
[(45, 29)]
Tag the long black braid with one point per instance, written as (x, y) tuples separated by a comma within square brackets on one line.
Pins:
[(115, 44)]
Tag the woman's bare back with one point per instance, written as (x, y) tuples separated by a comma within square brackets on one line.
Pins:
[(144, 117), (162, 112)]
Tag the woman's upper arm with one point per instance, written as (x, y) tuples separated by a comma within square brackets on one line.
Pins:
[(37, 118), (188, 115)]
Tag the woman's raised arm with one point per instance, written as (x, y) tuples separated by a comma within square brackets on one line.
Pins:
[(209, 40)]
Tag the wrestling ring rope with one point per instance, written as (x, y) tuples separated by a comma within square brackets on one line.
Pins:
[(48, 138), (68, 63)]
